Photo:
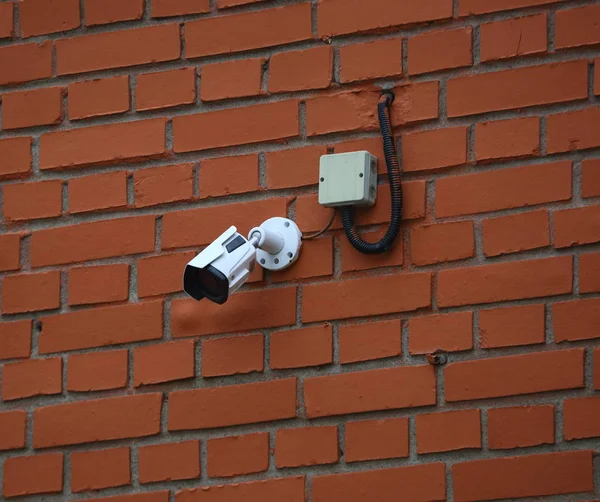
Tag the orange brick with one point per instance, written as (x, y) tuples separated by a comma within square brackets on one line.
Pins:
[(577, 226), (169, 462), (100, 284), (512, 326), (576, 320), (513, 37), (164, 362), (371, 60), (233, 355), (590, 177), (468, 7), (30, 201), (517, 88), (582, 418), (503, 139), (290, 489), (520, 426), (158, 275), (316, 260), (294, 168), (6, 20), (577, 27), (232, 79), (164, 89), (33, 474), (353, 260), (98, 97), (39, 17), (439, 50), (573, 130), (112, 11), (32, 108), (441, 242), (376, 439), (12, 429), (589, 272), (448, 431), (450, 150), (25, 62), (301, 70), (597, 368), (168, 8), (161, 185), (365, 342), (448, 332), (36, 377), (10, 249), (228, 175), (15, 340), (16, 153), (519, 232), (302, 347), (97, 192), (306, 446), (238, 455), (31, 292), (94, 470), (97, 371)]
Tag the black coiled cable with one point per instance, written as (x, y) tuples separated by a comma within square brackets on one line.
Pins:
[(393, 169)]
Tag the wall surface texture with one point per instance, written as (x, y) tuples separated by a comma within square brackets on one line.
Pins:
[(134, 132)]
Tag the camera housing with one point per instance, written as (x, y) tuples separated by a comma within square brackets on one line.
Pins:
[(225, 265)]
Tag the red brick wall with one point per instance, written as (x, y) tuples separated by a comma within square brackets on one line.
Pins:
[(134, 132)]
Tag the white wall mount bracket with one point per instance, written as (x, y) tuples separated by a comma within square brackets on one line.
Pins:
[(278, 241)]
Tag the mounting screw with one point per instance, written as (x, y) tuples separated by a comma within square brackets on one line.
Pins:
[(437, 358), (322, 179)]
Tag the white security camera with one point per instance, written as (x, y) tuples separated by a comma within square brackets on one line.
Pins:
[(225, 265)]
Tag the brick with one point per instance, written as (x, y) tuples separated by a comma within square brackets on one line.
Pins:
[(94, 470), (589, 272), (571, 131), (30, 108), (97, 371), (590, 177), (597, 368), (12, 429), (441, 242), (515, 233), (92, 241), (298, 348), (228, 176), (505, 281), (161, 185), (514, 375), (577, 27), (596, 77), (577, 226), (139, 497), (315, 260), (38, 17), (395, 293), (10, 249), (468, 7), (294, 168), (376, 439), (514, 37), (451, 149), (16, 155), (112, 11), (169, 8), (169, 462), (371, 60), (36, 377), (238, 455), (377, 15), (416, 482), (165, 89), (439, 50), (512, 326), (306, 446), (30, 201), (373, 340), (25, 62), (31, 292), (164, 362), (223, 4), (576, 320), (301, 70), (504, 139), (100, 284), (582, 418), (6, 20), (520, 427), (33, 474), (232, 79), (211, 407), (356, 110), (233, 355), (349, 392), (15, 339), (448, 431), (503, 189), (102, 51), (103, 144), (263, 309), (448, 332), (353, 260), (99, 327), (98, 420), (517, 88), (278, 26), (230, 127), (98, 192), (98, 97), (524, 476), (269, 490), (159, 275)]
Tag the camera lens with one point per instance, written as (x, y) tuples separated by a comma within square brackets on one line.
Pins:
[(210, 284)]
